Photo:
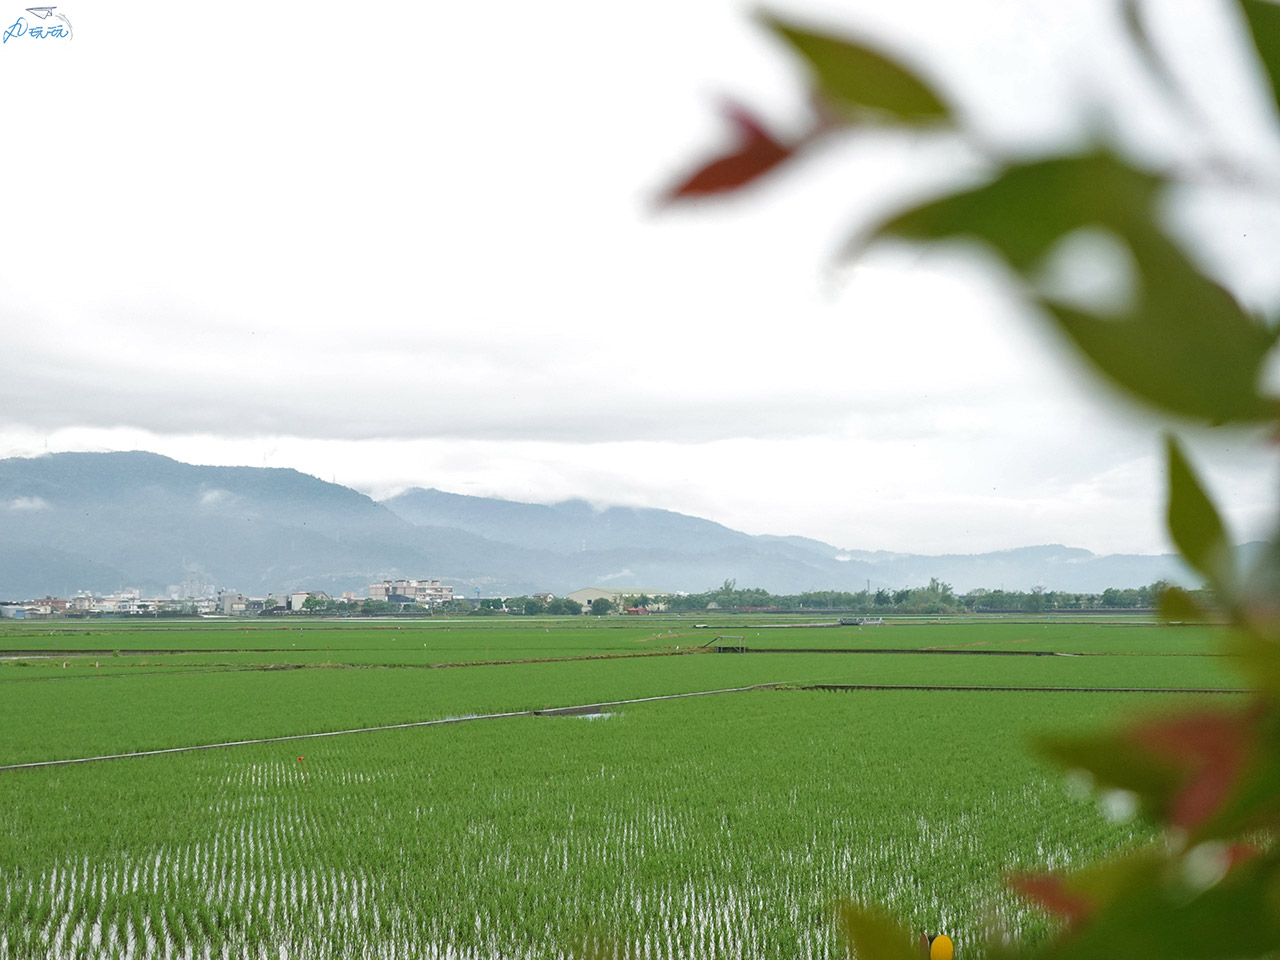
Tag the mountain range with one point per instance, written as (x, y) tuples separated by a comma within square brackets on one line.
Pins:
[(103, 522)]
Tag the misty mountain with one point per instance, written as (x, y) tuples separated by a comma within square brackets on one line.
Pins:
[(107, 521), (112, 520), (630, 546), (573, 526)]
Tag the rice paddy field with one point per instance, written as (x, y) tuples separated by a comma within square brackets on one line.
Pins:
[(416, 790)]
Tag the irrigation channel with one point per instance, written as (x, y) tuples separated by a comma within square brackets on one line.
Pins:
[(598, 709), (571, 711)]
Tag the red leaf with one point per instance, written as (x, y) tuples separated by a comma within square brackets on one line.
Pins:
[(756, 153), (1050, 893), (1211, 749)]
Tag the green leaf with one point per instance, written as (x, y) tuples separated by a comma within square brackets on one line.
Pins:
[(873, 935), (1184, 345), (857, 79), (1264, 25), (1258, 659), (1190, 770), (1195, 525), (1154, 915), (1028, 208), (1254, 804), (1076, 895), (1178, 606), (1117, 762)]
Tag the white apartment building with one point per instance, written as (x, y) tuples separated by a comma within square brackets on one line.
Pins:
[(419, 591)]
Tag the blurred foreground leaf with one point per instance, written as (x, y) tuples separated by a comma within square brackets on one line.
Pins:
[(1264, 26), (1184, 345), (1259, 660), (1195, 525), (755, 154), (1071, 902), (1116, 762), (873, 935), (1030, 207), (1077, 895), (857, 80), (1211, 751), (1178, 606), (1183, 769), (1157, 911)]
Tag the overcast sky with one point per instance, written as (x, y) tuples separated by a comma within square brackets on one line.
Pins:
[(415, 245)]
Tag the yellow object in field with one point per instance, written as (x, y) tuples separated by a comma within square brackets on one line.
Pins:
[(941, 948)]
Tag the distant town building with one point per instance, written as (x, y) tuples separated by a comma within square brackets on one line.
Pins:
[(232, 604), (130, 603), (298, 599), (124, 602), (426, 592), (616, 596)]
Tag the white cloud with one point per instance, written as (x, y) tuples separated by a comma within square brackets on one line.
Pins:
[(29, 503)]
